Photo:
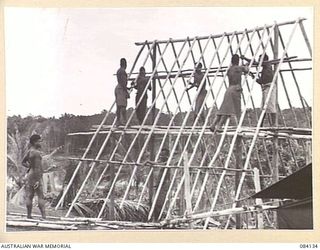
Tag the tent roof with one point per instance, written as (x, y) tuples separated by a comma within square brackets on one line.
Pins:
[(295, 186)]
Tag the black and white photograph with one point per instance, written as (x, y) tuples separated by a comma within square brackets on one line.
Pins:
[(159, 118)]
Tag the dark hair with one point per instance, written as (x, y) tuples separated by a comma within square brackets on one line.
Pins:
[(199, 66), (123, 61), (235, 59), (142, 69), (34, 138), (266, 57)]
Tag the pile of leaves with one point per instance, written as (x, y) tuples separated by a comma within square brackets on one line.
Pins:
[(130, 210)]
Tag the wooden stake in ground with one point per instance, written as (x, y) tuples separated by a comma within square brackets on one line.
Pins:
[(187, 185), (256, 179)]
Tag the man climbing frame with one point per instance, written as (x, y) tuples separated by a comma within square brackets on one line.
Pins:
[(198, 76)]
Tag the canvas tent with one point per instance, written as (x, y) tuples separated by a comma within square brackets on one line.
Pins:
[(296, 213)]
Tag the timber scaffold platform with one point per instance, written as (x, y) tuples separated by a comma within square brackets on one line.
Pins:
[(206, 179)]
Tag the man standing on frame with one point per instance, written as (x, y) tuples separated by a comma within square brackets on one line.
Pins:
[(265, 81), (231, 105), (198, 76), (141, 85), (34, 182), (121, 93)]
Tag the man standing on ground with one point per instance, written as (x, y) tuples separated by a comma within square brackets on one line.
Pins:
[(121, 93), (34, 183)]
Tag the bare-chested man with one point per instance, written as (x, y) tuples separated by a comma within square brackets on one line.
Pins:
[(121, 93), (34, 182)]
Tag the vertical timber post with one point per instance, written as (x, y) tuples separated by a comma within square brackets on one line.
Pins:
[(111, 208), (67, 144), (187, 185), (275, 156), (257, 186), (237, 174), (308, 152), (152, 155)]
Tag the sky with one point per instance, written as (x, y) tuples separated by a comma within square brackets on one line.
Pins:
[(61, 60)]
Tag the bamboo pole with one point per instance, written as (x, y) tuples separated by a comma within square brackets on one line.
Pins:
[(105, 169), (259, 65), (199, 138), (225, 212), (220, 35), (275, 153), (183, 124), (151, 170), (245, 134), (79, 164), (153, 127), (257, 186), (171, 121), (164, 174), (239, 45), (309, 153), (133, 141), (112, 203), (291, 108), (303, 31), (215, 103), (39, 225), (237, 130), (187, 72), (187, 185), (91, 142), (90, 171), (263, 112), (295, 81), (257, 116), (232, 128), (204, 64), (154, 123), (168, 95), (153, 165), (219, 89), (153, 111), (298, 89), (238, 153), (238, 146), (178, 64), (167, 72), (213, 160), (222, 70), (93, 164)]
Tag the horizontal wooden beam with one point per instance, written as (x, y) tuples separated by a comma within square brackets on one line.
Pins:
[(216, 36), (226, 212), (246, 132)]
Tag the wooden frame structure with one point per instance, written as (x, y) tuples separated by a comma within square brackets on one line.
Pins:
[(209, 157)]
